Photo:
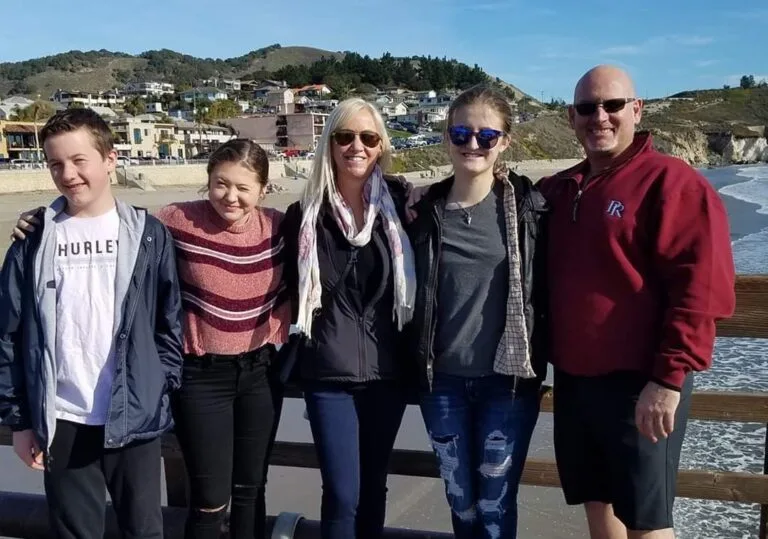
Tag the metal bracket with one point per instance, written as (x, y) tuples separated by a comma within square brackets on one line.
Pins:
[(285, 525)]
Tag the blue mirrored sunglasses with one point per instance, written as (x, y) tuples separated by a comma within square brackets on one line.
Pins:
[(486, 137)]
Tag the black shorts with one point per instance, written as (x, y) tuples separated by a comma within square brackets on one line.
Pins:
[(602, 457)]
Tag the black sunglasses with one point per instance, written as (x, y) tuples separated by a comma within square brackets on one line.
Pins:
[(345, 137), (609, 105), (486, 137)]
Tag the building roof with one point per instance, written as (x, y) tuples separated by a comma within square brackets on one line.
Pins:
[(15, 100), (205, 90), (312, 87), (104, 112), (25, 127)]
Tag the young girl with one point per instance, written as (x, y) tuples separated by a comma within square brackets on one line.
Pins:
[(230, 259), (478, 317), (230, 263)]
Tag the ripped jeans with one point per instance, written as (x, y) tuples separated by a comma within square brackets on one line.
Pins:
[(480, 435), (226, 412)]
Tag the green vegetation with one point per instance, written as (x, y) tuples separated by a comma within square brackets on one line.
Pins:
[(37, 111), (547, 137), (394, 133), (298, 66), (356, 71), (220, 110), (709, 110), (135, 106)]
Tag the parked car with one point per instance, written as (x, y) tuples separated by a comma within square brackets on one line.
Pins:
[(123, 161), (21, 163)]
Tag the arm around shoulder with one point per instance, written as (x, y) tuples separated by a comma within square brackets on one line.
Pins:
[(14, 408), (289, 229)]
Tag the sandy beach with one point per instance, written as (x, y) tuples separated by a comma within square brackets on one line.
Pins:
[(413, 502)]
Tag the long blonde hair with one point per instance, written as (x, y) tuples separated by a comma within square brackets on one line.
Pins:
[(322, 177)]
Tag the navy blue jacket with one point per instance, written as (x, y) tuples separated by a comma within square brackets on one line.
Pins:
[(147, 331)]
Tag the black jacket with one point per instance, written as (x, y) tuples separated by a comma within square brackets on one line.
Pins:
[(350, 342), (147, 331), (425, 233)]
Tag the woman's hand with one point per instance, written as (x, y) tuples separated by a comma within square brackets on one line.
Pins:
[(26, 224)]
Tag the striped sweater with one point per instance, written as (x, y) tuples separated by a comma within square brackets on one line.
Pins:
[(232, 288)]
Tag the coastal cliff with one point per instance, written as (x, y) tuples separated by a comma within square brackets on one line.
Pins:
[(701, 148)]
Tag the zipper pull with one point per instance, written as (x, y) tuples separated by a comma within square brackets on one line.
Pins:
[(576, 205)]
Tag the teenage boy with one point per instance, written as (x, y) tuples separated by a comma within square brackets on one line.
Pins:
[(90, 341)]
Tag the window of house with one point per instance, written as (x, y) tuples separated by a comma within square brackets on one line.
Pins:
[(137, 136)]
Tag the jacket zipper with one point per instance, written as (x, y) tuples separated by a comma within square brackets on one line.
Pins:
[(376, 297), (432, 288), (120, 349), (577, 199)]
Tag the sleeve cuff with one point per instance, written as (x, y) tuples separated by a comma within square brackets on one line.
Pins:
[(669, 376)]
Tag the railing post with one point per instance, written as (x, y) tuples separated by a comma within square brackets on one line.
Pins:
[(285, 525), (764, 508)]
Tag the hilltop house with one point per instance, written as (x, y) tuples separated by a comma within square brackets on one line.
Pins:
[(149, 88), (391, 110), (200, 94), (230, 85), (313, 90), (110, 98)]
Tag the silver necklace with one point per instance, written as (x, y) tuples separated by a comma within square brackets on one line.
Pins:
[(467, 212)]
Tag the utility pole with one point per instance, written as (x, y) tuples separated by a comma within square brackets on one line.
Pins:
[(36, 104)]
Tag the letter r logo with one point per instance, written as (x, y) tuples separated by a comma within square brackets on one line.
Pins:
[(615, 208)]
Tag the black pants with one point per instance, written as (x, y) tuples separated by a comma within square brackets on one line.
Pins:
[(226, 414), (79, 472)]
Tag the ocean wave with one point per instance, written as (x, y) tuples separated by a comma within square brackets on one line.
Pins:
[(750, 253), (754, 190)]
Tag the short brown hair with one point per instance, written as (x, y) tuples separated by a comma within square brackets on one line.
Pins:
[(70, 120), (244, 152)]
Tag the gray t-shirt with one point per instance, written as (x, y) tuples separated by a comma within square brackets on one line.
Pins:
[(473, 278)]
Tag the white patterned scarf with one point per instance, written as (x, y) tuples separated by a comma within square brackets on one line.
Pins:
[(377, 201)]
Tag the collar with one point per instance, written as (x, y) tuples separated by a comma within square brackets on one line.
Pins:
[(641, 143)]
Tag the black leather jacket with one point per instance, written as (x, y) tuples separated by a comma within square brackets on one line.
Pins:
[(425, 233)]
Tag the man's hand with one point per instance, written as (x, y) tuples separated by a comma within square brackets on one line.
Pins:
[(26, 447), (415, 194), (655, 411)]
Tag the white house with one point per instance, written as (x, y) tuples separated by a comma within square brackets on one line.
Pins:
[(208, 92), (103, 99), (232, 85), (390, 110), (149, 88)]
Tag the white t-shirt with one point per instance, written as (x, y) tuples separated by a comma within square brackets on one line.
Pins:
[(86, 262)]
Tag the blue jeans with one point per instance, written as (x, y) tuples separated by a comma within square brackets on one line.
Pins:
[(480, 434), (354, 428)]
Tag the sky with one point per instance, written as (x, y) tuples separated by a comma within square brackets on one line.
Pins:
[(542, 47)]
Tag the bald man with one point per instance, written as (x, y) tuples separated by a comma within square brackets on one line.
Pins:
[(640, 269)]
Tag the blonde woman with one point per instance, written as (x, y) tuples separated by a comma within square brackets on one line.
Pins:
[(350, 267)]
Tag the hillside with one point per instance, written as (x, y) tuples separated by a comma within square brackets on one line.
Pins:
[(343, 71), (547, 137), (102, 70), (709, 110)]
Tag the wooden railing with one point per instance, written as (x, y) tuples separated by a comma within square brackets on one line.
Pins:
[(750, 320)]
